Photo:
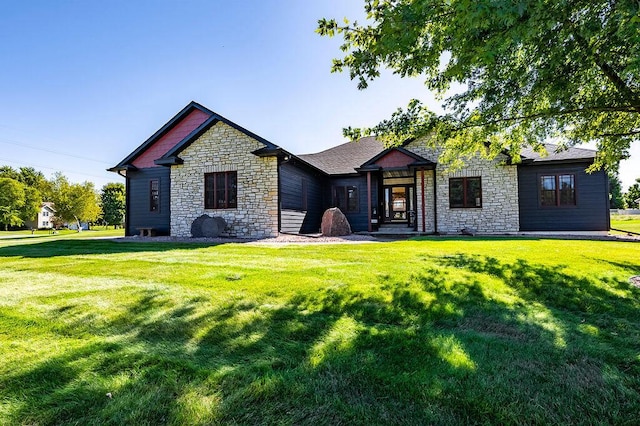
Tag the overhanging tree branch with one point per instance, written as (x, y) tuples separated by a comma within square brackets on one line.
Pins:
[(631, 133), (550, 113), (621, 86), (532, 69)]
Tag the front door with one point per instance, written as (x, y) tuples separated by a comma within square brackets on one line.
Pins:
[(398, 202)]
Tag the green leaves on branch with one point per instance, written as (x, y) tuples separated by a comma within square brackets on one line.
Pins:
[(19, 202), (403, 125), (524, 72), (632, 195), (113, 202), (12, 201), (74, 202)]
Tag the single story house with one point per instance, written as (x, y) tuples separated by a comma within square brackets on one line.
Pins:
[(202, 163)]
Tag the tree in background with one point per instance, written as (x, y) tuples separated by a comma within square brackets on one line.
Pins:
[(616, 200), (523, 72), (26, 175), (34, 184), (12, 200), (9, 172), (74, 201), (112, 202), (32, 204), (34, 179), (20, 202), (632, 195)]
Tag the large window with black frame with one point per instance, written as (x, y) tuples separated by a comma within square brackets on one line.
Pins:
[(557, 190), (221, 190), (346, 198), (465, 192)]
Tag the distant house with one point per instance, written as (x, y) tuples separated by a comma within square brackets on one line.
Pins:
[(84, 226), (202, 163), (44, 219)]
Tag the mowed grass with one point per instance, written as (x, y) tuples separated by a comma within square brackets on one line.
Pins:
[(627, 223), (428, 331), (95, 232)]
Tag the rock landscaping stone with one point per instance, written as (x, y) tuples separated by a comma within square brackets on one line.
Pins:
[(468, 231), (334, 223), (210, 228), (207, 227), (222, 224)]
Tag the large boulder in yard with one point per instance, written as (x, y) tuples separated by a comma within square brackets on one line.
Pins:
[(334, 223), (207, 227)]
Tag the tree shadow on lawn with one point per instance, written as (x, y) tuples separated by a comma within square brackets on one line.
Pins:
[(633, 268), (436, 348), (55, 248)]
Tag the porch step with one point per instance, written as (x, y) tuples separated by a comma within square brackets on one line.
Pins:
[(395, 229)]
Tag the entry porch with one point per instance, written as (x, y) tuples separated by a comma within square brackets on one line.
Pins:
[(400, 192)]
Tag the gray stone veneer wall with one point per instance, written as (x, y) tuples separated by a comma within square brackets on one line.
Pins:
[(223, 148), (429, 225), (499, 212)]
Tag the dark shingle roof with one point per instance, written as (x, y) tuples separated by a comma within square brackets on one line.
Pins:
[(570, 154), (346, 158)]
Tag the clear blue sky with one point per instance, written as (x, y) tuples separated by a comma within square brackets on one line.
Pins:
[(83, 83)]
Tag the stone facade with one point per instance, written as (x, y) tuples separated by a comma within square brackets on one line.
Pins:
[(223, 148), (428, 215), (499, 212)]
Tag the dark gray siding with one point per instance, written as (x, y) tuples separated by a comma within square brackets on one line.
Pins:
[(301, 201), (591, 212), (358, 220), (138, 214)]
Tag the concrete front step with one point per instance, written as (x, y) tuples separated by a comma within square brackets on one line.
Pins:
[(395, 229)]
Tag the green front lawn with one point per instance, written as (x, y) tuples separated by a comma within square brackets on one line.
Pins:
[(430, 331), (98, 231), (626, 223)]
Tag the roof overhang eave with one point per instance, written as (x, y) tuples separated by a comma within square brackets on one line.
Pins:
[(270, 152), (368, 169), (122, 167), (423, 165), (168, 161)]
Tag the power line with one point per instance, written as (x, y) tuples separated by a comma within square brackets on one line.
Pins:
[(10, 142)]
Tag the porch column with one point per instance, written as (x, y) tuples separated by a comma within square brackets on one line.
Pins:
[(370, 228)]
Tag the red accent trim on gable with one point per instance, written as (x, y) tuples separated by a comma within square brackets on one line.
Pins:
[(394, 159), (187, 125)]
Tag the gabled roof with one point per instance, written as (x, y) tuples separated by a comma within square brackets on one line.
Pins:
[(572, 154), (399, 157), (346, 158), (171, 155)]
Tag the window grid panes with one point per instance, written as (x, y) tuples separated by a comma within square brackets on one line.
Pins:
[(221, 190), (558, 190)]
